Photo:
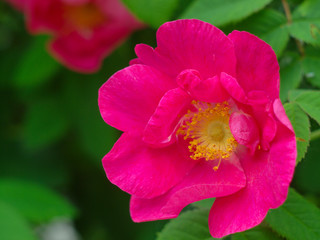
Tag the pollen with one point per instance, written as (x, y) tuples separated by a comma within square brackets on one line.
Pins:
[(207, 130)]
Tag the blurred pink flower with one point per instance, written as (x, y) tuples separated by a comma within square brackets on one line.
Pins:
[(19, 4), (201, 118), (84, 31)]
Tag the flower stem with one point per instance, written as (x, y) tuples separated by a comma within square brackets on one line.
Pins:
[(287, 11), (315, 135)]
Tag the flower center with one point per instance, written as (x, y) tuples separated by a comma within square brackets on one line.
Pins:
[(216, 131), (208, 132), (86, 16)]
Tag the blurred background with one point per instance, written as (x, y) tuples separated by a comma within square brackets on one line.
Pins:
[(52, 137), (52, 140)]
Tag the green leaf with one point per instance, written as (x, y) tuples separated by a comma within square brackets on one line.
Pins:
[(296, 219), (206, 203), (311, 66), (306, 22), (293, 94), (290, 75), (257, 233), (34, 202), (154, 12), (301, 126), (306, 30), (190, 225), (270, 26), (220, 13), (309, 101), (306, 176), (35, 66), (308, 9), (12, 225), (278, 39), (45, 123)]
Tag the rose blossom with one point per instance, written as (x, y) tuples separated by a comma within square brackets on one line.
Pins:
[(83, 31), (201, 118)]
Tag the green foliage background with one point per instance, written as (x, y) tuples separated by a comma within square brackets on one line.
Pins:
[(52, 138)]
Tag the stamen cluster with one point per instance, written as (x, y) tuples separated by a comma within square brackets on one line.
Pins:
[(208, 132)]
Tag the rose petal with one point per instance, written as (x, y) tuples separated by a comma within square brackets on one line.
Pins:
[(269, 131), (281, 114), (75, 2), (268, 177), (208, 90), (258, 98), (135, 61), (143, 171), (147, 55), (202, 182), (257, 65), (85, 54), (162, 124), (44, 16), (129, 98), (190, 44), (233, 88), (188, 79), (244, 129)]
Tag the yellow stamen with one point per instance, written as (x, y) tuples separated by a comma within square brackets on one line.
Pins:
[(208, 132)]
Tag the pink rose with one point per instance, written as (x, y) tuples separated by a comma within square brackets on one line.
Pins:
[(201, 118), (83, 31)]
